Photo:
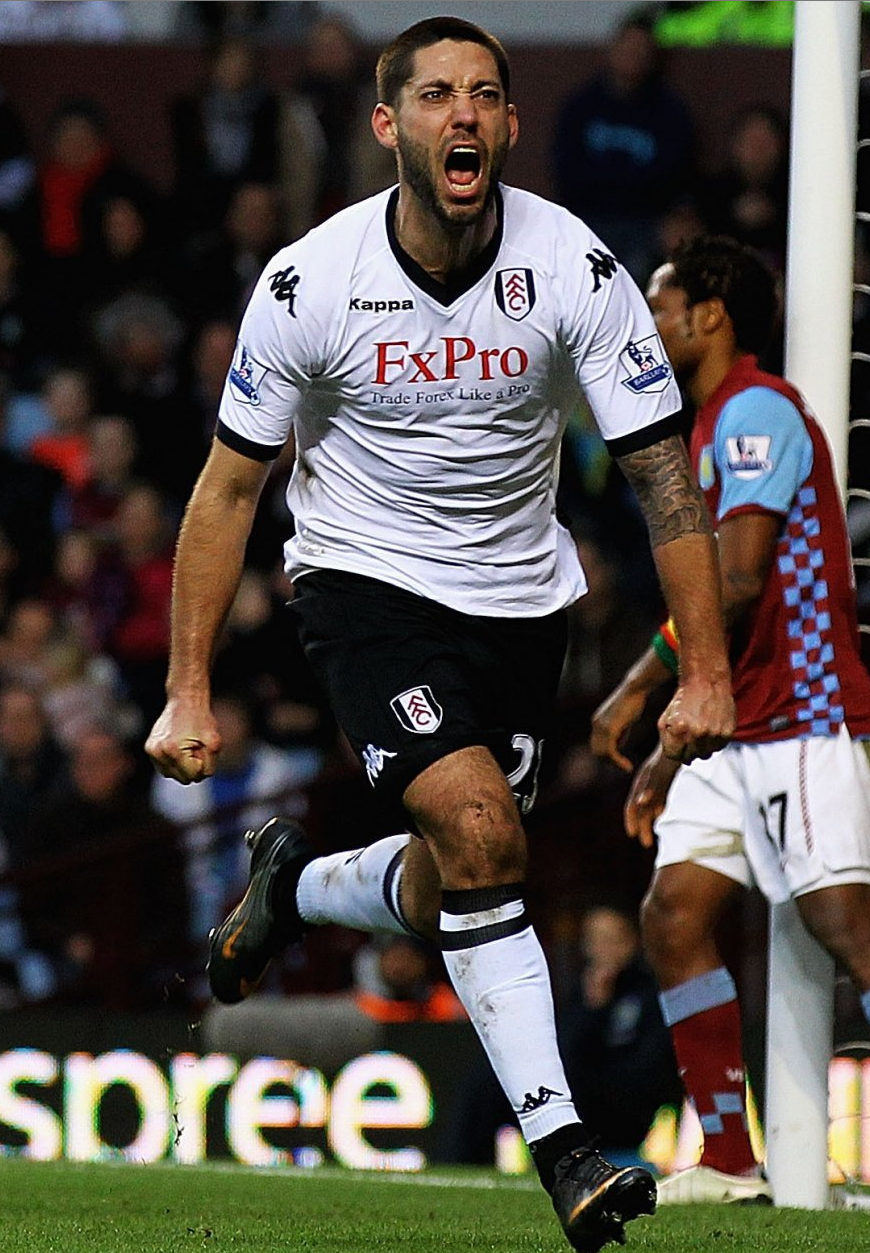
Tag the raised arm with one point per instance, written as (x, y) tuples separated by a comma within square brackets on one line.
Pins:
[(208, 567), (700, 717)]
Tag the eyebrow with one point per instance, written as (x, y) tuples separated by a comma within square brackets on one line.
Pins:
[(448, 86)]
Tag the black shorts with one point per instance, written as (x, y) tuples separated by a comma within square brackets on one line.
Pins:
[(410, 680)]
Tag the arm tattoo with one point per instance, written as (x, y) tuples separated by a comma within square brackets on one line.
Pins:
[(665, 487)]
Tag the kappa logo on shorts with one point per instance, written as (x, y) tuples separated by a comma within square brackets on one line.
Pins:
[(374, 759), (418, 710), (515, 292)]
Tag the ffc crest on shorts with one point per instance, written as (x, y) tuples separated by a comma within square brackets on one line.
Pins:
[(515, 292), (418, 710)]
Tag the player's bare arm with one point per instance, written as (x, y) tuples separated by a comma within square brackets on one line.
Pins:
[(747, 545), (208, 566), (700, 717)]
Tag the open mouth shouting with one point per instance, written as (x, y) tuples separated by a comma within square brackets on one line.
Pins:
[(463, 169)]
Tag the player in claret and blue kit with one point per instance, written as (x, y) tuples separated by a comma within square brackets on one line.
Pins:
[(424, 349), (786, 805)]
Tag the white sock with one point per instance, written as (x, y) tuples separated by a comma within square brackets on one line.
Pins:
[(357, 889), (500, 974)]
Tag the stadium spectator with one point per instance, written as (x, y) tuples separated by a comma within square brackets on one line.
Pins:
[(80, 172), (143, 376), (211, 356), (130, 250), (111, 458), (259, 654), (623, 147), (8, 569), (268, 21), (137, 574), (328, 158), (17, 174), (74, 591), (395, 980), (83, 689), (222, 268), (30, 762), (29, 494), (253, 779), (29, 634), (787, 805), (19, 319), (428, 562), (62, 444), (223, 135), (748, 197), (99, 861)]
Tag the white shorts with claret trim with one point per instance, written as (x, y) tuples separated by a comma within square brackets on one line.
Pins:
[(791, 816)]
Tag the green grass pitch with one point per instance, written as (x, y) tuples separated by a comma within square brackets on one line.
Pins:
[(48, 1207)]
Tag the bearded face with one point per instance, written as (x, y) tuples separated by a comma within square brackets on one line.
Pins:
[(452, 131)]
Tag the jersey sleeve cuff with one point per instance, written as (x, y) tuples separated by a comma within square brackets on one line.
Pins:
[(246, 447), (646, 436)]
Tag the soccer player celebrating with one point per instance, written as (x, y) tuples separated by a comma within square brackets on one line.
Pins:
[(424, 348), (787, 804)]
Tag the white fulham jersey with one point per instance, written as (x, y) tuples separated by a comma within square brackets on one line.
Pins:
[(428, 418)]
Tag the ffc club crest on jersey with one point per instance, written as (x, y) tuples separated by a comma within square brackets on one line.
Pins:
[(647, 366), (515, 292), (418, 710), (246, 376)]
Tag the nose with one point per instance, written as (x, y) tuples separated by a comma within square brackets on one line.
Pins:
[(463, 112)]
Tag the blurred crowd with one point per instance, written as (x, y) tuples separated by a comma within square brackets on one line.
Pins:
[(118, 309)]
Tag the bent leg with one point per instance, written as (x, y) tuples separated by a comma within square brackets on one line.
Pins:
[(466, 812), (699, 1004)]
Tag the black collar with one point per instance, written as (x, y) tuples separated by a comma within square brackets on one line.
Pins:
[(463, 280)]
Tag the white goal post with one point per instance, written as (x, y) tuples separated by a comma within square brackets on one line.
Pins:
[(819, 280)]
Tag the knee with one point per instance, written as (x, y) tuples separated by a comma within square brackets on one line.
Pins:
[(478, 842), (669, 926), (840, 921)]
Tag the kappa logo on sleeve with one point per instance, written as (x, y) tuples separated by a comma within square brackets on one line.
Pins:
[(748, 455), (282, 285), (603, 266), (648, 368), (418, 710), (515, 292), (246, 375)]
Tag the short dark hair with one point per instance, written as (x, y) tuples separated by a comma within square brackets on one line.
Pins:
[(713, 267), (396, 62)]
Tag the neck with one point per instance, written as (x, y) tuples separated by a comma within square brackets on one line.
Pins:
[(711, 372), (439, 249)]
